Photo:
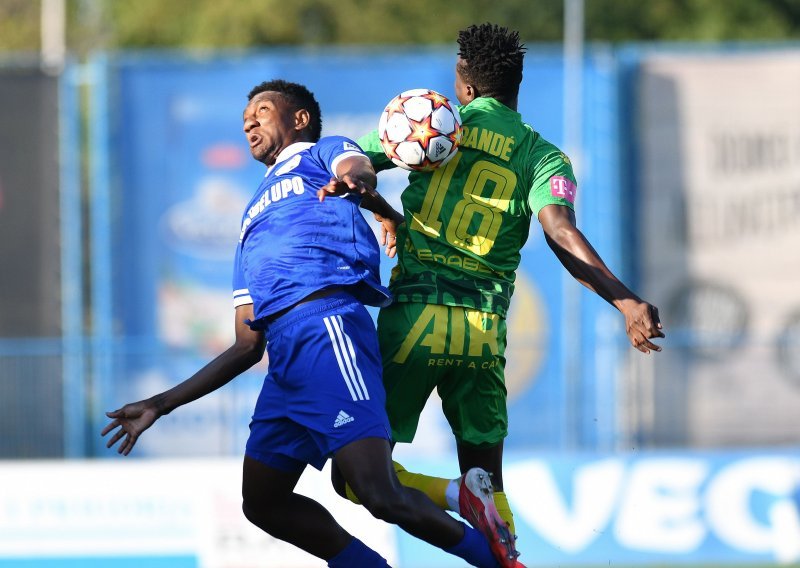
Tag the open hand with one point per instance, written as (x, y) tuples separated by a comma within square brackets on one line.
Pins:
[(132, 419), (389, 227)]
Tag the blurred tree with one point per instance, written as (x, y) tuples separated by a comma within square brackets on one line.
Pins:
[(244, 23), (19, 25), (97, 24), (692, 20)]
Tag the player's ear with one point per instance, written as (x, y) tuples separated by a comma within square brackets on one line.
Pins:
[(302, 118), (471, 91)]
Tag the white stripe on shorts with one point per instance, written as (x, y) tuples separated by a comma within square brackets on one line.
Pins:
[(349, 360), (353, 356), (343, 365)]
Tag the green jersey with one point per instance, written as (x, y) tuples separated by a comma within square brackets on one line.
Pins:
[(467, 221)]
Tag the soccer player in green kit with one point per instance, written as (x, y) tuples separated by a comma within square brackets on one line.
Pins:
[(458, 247)]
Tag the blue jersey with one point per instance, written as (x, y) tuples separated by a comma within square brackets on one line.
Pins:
[(291, 245)]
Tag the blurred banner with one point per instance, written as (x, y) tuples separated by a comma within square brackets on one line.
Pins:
[(171, 514), (167, 202), (660, 509), (720, 230)]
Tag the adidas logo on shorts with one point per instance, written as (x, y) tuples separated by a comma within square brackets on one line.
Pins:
[(342, 419)]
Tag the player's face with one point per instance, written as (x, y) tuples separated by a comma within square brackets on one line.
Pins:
[(269, 125)]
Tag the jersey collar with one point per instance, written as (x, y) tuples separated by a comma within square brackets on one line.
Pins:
[(492, 104), (288, 152)]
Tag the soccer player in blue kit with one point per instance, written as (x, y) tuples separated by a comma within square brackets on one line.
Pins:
[(304, 268)]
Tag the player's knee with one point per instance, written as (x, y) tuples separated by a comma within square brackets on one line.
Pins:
[(379, 508), (387, 506), (249, 513), (259, 517)]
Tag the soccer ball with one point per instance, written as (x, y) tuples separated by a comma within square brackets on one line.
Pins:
[(420, 130)]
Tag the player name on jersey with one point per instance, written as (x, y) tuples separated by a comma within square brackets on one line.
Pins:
[(487, 141), (277, 191)]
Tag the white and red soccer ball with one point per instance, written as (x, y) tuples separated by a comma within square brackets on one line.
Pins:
[(420, 130)]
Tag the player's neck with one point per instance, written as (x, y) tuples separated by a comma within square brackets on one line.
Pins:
[(510, 103)]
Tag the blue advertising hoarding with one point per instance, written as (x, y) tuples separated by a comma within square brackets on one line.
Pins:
[(647, 508)]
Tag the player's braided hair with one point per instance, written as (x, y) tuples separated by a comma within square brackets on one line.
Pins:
[(491, 59), (299, 97)]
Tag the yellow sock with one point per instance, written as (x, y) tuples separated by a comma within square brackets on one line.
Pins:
[(501, 503), (433, 487)]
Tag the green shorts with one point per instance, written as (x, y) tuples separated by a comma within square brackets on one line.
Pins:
[(458, 351)]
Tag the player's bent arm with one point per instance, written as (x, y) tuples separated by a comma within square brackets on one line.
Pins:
[(582, 261), (354, 174), (246, 351), (359, 171)]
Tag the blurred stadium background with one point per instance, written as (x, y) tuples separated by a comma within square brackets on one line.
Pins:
[(122, 177)]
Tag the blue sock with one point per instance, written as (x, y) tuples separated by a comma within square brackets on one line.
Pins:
[(474, 548), (357, 555)]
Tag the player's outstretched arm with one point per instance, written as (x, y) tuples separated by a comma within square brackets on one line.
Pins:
[(130, 421), (582, 261)]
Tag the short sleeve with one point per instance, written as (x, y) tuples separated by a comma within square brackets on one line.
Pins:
[(553, 183), (371, 145), (333, 149), (241, 294)]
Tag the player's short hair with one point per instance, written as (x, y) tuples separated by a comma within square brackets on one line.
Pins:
[(299, 97), (491, 59)]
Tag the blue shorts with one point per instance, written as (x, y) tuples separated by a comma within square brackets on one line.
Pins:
[(324, 387)]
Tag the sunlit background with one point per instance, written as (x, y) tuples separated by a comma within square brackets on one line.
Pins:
[(123, 174)]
